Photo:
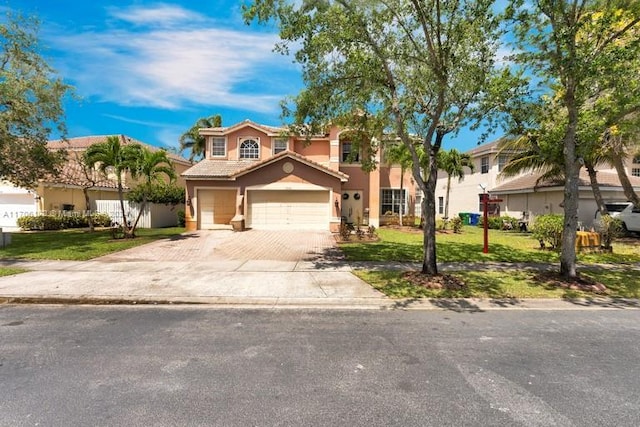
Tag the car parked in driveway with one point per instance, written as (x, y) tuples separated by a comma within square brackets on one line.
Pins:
[(625, 212)]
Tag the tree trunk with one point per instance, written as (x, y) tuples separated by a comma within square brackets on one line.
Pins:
[(125, 226), (429, 265), (629, 193), (595, 187), (87, 202), (572, 169), (135, 223)]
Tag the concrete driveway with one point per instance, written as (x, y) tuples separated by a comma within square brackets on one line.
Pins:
[(218, 266)]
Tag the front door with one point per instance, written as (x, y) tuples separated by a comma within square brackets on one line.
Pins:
[(352, 207)]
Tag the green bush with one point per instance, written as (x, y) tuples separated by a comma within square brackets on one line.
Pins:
[(609, 228), (40, 222), (57, 222), (500, 223), (101, 219), (548, 230), (456, 224), (181, 220)]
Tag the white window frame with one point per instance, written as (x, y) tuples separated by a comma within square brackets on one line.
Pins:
[(484, 163), (240, 149), (277, 150), (502, 162), (224, 139), (635, 171), (440, 205), (394, 202)]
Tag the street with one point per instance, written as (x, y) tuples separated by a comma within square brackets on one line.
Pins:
[(194, 366)]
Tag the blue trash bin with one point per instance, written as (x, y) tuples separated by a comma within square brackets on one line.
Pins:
[(474, 218)]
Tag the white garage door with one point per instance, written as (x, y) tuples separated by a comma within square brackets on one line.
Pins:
[(290, 209), (13, 206)]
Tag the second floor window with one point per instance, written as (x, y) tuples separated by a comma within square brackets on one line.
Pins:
[(279, 145), (249, 149), (348, 153), (636, 159), (218, 147), (502, 162), (484, 164)]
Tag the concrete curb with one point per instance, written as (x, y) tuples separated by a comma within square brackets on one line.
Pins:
[(471, 305)]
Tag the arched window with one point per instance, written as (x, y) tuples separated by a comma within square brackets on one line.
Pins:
[(249, 149)]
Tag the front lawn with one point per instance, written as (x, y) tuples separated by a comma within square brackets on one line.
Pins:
[(504, 246), (77, 245)]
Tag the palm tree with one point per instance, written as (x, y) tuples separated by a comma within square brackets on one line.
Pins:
[(192, 140), (113, 156), (453, 163), (151, 166), (616, 148), (399, 154)]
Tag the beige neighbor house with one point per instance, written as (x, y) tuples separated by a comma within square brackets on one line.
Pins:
[(253, 176), (65, 192), (523, 194)]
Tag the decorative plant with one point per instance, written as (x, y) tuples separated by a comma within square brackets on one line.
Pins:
[(548, 230)]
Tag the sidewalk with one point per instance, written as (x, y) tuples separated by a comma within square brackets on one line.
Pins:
[(250, 269), (246, 284)]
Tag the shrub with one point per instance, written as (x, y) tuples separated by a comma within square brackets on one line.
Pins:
[(345, 231), (101, 219), (181, 221), (40, 222), (57, 222), (609, 228), (456, 224), (500, 223), (548, 230)]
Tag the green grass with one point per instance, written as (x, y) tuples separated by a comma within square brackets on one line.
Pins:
[(8, 271), (77, 245), (504, 246), (498, 284)]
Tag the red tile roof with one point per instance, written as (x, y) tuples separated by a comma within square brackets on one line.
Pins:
[(229, 169)]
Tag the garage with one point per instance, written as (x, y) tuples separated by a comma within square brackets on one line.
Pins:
[(215, 208), (288, 209), (13, 206)]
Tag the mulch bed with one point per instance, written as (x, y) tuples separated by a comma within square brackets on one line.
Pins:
[(580, 283), (441, 281)]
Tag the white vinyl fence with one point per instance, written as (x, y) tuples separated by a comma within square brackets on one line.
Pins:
[(153, 216)]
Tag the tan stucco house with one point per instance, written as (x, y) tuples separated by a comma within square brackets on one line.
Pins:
[(525, 194), (255, 176)]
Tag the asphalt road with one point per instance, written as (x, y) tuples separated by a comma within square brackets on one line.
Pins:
[(185, 366)]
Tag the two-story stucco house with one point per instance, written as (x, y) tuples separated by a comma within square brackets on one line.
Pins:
[(253, 176)]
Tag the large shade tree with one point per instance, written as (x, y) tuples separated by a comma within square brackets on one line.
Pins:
[(193, 141), (31, 98), (415, 68), (570, 45)]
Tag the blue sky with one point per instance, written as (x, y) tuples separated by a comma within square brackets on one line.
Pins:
[(150, 69)]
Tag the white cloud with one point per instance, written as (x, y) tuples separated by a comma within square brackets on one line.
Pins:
[(158, 15), (158, 66)]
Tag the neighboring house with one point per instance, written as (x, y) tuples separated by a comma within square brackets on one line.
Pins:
[(256, 177), (523, 194), (65, 192)]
